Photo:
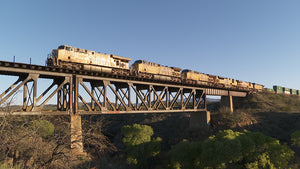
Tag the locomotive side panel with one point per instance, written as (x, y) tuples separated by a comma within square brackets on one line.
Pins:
[(197, 78), (258, 87), (226, 82), (188, 74), (159, 72)]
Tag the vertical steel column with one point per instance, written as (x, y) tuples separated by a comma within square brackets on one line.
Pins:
[(75, 81), (129, 97), (194, 99), (231, 103), (25, 90), (182, 100), (150, 87), (105, 84), (93, 93), (105, 98), (116, 97), (167, 98), (34, 78), (137, 100), (205, 105), (59, 102), (71, 95), (65, 93)]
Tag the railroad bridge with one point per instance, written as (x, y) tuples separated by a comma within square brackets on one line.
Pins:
[(79, 93)]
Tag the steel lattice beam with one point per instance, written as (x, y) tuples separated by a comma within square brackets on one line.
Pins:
[(135, 96)]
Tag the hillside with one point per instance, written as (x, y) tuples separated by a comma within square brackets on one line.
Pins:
[(277, 116)]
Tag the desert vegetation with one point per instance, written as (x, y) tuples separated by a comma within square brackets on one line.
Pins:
[(262, 132)]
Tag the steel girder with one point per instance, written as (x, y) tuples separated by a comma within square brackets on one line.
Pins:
[(32, 102), (108, 95)]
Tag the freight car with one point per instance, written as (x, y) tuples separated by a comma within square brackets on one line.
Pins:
[(81, 59), (285, 90)]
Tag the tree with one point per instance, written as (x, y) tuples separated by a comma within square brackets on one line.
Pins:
[(44, 128), (95, 142), (26, 142), (296, 138), (140, 146), (230, 149)]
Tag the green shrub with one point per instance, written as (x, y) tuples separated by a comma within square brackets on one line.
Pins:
[(44, 128), (286, 108), (296, 138), (140, 146), (185, 154), (230, 149), (6, 166)]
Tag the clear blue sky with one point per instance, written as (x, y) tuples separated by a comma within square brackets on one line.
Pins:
[(254, 40)]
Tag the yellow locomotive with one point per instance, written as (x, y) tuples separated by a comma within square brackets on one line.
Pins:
[(191, 76), (155, 71), (75, 58), (227, 82), (258, 87)]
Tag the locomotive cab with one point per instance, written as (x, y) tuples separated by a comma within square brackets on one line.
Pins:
[(53, 57)]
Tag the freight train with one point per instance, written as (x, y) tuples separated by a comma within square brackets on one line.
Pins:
[(283, 90), (69, 57)]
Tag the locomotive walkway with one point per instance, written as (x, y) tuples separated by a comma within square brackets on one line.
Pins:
[(104, 94)]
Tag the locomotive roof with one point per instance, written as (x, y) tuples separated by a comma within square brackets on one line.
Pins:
[(155, 64), (121, 58)]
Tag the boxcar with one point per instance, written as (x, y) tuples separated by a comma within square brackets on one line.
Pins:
[(293, 91), (278, 89), (286, 90)]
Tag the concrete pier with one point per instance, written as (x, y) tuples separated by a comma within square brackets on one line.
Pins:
[(227, 101), (199, 119), (76, 135)]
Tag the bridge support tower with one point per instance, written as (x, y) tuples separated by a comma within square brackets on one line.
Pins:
[(199, 119), (76, 135), (228, 102)]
